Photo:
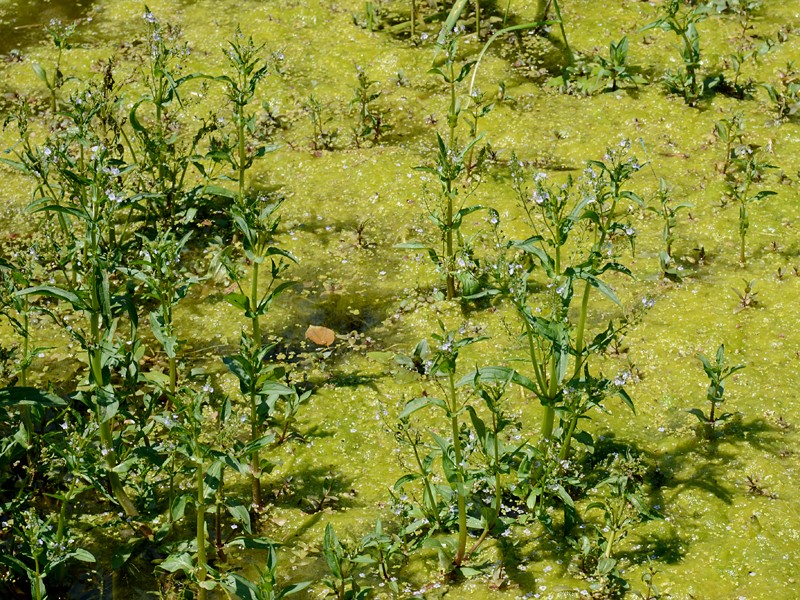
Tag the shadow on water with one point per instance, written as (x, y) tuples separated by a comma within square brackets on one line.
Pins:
[(22, 23), (314, 490)]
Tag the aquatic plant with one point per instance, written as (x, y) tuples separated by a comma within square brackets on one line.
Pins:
[(242, 149), (60, 34), (717, 372), (588, 75), (785, 93), (441, 363), (167, 281), (669, 217), (39, 553), (88, 179), (258, 384), (552, 214), (452, 165), (384, 550), (17, 310), (731, 133), (342, 561), (161, 148), (321, 137), (615, 70), (370, 121), (682, 21), (748, 169), (186, 430), (267, 587), (622, 509), (499, 457), (747, 297)]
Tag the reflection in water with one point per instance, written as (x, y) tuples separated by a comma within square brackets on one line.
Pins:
[(22, 21)]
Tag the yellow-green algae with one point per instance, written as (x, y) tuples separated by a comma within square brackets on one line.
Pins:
[(718, 541)]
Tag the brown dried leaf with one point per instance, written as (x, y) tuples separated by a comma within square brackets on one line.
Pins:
[(322, 336)]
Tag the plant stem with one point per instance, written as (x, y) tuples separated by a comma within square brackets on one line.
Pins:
[(498, 489), (451, 281), (173, 375), (579, 333), (742, 231), (570, 57), (218, 517), (255, 461), (254, 303), (462, 504), (242, 151), (38, 589), (573, 422), (201, 530), (452, 122), (413, 19), (424, 473), (106, 435), (25, 409)]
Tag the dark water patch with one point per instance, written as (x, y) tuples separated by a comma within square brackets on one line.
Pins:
[(345, 313), (314, 490), (22, 22), (353, 379)]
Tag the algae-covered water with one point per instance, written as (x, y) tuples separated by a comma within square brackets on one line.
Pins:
[(731, 526)]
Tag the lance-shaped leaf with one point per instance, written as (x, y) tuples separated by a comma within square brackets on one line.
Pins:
[(420, 403), (28, 396)]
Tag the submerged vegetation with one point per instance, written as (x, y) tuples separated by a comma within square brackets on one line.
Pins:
[(212, 300)]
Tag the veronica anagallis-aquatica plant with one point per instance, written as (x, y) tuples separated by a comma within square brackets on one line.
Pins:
[(560, 355), (440, 365), (160, 146), (448, 208), (80, 180)]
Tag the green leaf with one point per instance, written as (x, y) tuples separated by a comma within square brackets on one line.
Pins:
[(125, 465), (763, 194), (499, 375), (598, 284), (273, 388), (699, 414), (259, 543), (83, 555), (333, 551), (463, 213), (54, 292), (606, 565), (626, 399), (179, 506), (258, 444), (242, 588), (238, 300), (28, 396), (240, 514), (412, 246), (135, 123), (450, 22), (40, 73), (407, 478), (177, 562), (123, 554), (294, 588), (217, 190), (17, 565), (420, 403)]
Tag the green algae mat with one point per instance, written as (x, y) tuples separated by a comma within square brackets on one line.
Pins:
[(399, 299)]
